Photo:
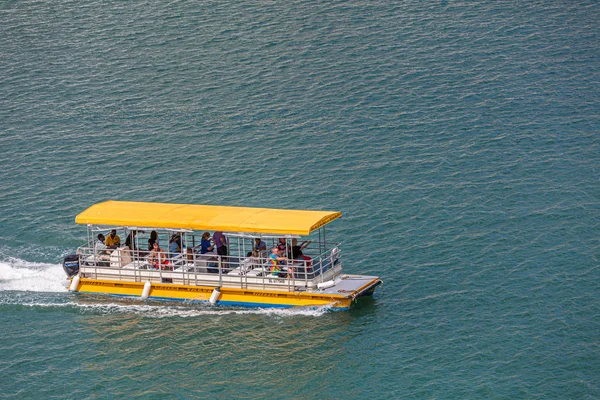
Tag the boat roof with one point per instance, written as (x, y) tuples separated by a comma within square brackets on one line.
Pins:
[(206, 217)]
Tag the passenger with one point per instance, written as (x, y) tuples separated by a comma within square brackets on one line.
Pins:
[(259, 245), (190, 255), (130, 241), (153, 239), (157, 258), (296, 251), (303, 265), (252, 260), (205, 245), (255, 255), (132, 246), (113, 240), (281, 245), (100, 247), (221, 243), (274, 262), (175, 245), (306, 258)]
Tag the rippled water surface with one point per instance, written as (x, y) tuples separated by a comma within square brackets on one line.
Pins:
[(459, 139)]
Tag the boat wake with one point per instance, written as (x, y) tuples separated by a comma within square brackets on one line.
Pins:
[(18, 275), (167, 310), (21, 275)]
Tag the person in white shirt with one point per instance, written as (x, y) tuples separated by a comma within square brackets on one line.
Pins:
[(102, 252), (100, 246)]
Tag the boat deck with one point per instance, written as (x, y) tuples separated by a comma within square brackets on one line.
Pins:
[(348, 284)]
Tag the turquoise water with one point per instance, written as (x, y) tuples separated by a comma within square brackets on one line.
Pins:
[(459, 139)]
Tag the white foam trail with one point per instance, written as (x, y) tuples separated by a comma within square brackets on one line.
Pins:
[(21, 275), (165, 311)]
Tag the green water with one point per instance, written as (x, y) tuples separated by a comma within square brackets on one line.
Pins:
[(459, 140)]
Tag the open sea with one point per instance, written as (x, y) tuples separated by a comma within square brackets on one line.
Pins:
[(460, 140)]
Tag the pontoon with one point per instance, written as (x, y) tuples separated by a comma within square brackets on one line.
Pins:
[(244, 275)]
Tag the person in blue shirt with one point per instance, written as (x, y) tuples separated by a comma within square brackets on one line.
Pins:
[(205, 244), (259, 245), (175, 245)]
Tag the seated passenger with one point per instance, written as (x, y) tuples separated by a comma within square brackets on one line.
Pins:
[(157, 258), (100, 247), (113, 240), (205, 245), (281, 245), (303, 261), (275, 262), (190, 255), (253, 255), (251, 261), (153, 239), (296, 250), (101, 251), (259, 245)]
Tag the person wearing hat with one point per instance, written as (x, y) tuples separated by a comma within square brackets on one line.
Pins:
[(175, 245)]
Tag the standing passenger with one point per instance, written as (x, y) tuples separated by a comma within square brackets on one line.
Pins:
[(153, 239), (130, 241), (221, 243), (205, 244), (175, 245)]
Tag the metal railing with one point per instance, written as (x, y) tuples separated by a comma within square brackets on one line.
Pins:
[(192, 268)]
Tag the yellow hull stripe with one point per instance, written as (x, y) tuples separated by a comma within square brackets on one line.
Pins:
[(267, 298)]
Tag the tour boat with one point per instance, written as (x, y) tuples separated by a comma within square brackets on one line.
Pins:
[(271, 258)]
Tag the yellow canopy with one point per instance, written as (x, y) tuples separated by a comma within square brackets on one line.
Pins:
[(202, 217)]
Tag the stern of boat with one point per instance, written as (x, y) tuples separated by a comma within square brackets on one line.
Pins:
[(351, 287)]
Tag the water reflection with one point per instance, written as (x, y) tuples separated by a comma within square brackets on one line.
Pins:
[(251, 346)]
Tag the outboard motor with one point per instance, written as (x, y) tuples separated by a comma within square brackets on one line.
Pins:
[(71, 265)]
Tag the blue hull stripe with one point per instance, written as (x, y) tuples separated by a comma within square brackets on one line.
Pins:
[(221, 303)]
